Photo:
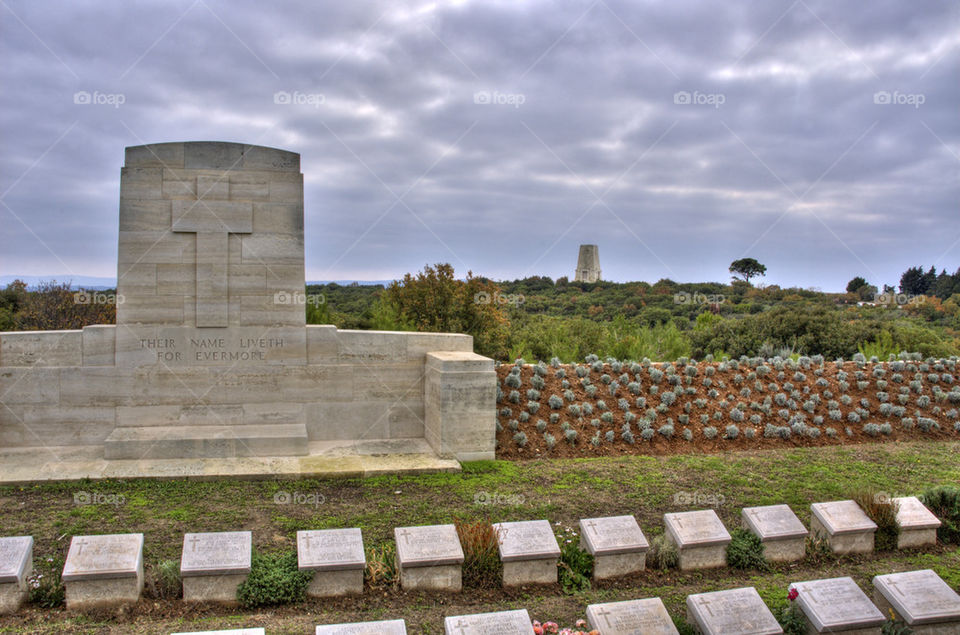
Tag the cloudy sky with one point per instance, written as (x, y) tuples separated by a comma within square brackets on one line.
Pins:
[(820, 137)]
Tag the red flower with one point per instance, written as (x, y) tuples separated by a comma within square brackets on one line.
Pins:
[(792, 594)]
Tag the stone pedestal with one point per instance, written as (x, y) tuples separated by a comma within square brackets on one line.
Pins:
[(921, 599), (529, 552), (336, 558), (502, 623), (387, 627), (647, 617), (617, 545), (16, 565), (837, 605), (103, 571), (783, 536), (918, 525), (737, 611), (429, 558), (845, 525), (213, 565), (460, 401), (700, 537)]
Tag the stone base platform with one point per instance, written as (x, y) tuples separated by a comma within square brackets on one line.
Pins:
[(220, 441), (325, 459)]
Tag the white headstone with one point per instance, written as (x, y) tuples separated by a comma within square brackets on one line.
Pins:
[(696, 529), (330, 550), (216, 553), (739, 611), (633, 617), (612, 535), (920, 597), (428, 546), (836, 604), (500, 623), (773, 522), (912, 514), (16, 553), (387, 627), (841, 517), (526, 540), (104, 557)]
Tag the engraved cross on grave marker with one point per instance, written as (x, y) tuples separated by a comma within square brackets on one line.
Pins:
[(212, 220)]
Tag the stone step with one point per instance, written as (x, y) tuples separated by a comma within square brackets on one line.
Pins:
[(193, 442)]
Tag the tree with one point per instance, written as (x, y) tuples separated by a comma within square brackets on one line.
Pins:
[(747, 268), (914, 282), (854, 285)]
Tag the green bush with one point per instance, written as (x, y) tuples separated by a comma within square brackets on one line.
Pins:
[(167, 579), (274, 579), (662, 553), (944, 501), (575, 565), (46, 588), (745, 551)]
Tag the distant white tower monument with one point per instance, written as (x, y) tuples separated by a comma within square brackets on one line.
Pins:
[(588, 264)]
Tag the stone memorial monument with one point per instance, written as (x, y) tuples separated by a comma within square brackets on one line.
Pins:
[(16, 565), (336, 558), (921, 599), (783, 536), (617, 545), (845, 525), (103, 571), (739, 611), (214, 564), (837, 605), (529, 552), (588, 264), (210, 357), (502, 623), (700, 537), (386, 627), (648, 617), (429, 558), (918, 525)]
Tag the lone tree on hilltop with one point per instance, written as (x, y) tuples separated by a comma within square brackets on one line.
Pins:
[(854, 285), (747, 268)]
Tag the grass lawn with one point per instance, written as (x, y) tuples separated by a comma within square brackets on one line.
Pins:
[(562, 491)]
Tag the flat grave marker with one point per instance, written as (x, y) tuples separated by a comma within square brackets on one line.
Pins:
[(429, 557), (617, 545), (103, 571), (16, 565), (783, 535), (739, 611), (700, 537), (337, 559), (847, 528), (648, 617), (214, 564), (500, 623), (837, 605), (918, 525), (529, 552), (921, 599), (385, 627)]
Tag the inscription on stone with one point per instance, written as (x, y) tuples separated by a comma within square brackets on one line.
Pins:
[(773, 521), (216, 553), (430, 545), (526, 540), (211, 349), (696, 529), (633, 617), (106, 556), (15, 555), (912, 514), (836, 604), (840, 517), (387, 627), (501, 623), (330, 549), (920, 597), (740, 611), (612, 535)]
